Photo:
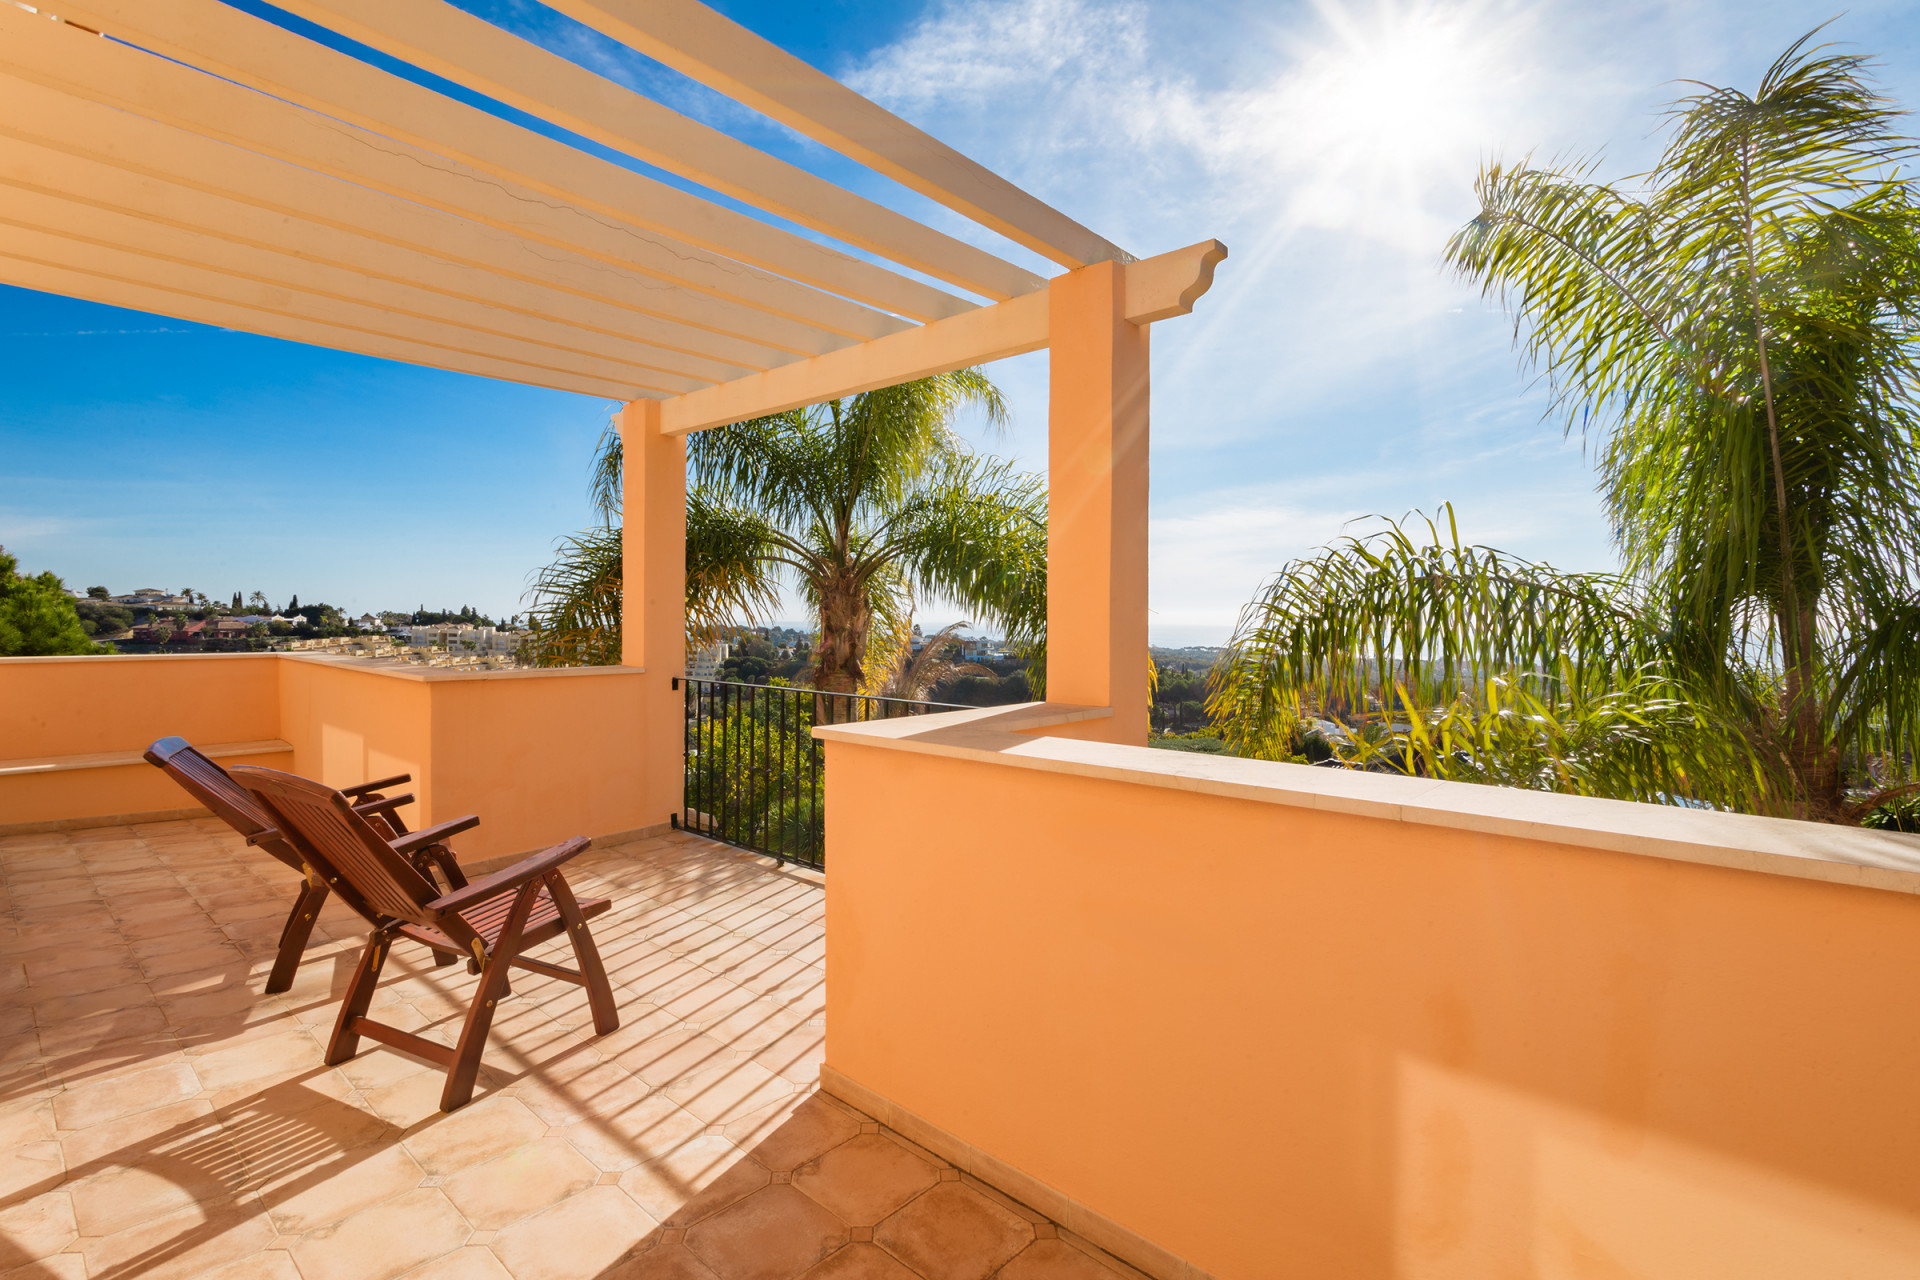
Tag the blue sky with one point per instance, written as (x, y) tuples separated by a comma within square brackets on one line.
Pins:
[(1334, 372)]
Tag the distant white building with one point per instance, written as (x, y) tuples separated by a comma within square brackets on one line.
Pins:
[(706, 662), (459, 641), (367, 622)]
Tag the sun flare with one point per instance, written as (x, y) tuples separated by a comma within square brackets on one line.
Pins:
[(1388, 103)]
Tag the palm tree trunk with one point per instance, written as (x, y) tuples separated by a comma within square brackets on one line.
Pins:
[(846, 619)]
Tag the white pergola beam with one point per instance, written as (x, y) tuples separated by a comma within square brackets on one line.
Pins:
[(448, 288), (94, 285), (248, 50), (722, 54), (1155, 289), (191, 279), (470, 51), (489, 331), (64, 58), (671, 317), (1004, 329)]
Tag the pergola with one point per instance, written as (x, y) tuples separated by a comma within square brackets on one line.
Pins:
[(185, 158)]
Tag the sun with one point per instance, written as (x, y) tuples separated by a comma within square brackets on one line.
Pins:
[(1378, 108), (1398, 90)]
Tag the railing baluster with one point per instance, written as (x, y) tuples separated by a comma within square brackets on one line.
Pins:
[(754, 770)]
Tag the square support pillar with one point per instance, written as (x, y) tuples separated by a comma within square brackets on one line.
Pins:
[(653, 597), (1097, 504)]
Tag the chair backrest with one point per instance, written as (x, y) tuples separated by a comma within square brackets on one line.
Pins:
[(355, 858), (214, 787)]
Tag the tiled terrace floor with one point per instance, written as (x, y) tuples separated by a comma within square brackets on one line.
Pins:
[(160, 1117)]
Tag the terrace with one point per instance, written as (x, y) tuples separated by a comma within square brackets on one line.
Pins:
[(1060, 1006)]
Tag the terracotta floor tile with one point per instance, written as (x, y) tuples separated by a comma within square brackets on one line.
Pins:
[(274, 1264), (670, 1054), (662, 1262), (180, 1245), (1056, 1260), (340, 1187), (386, 1240), (220, 957), (119, 972), (725, 1090), (270, 1057), (578, 1088), (91, 1104), (954, 1233), (410, 1100), (127, 1140), (119, 1198), (860, 1262), (470, 1263), (579, 1237), (34, 1228), (478, 1131), (61, 1266), (29, 1167), (694, 1181), (522, 1182), (88, 1035), (642, 1131), (865, 1178), (774, 1234), (814, 1127)]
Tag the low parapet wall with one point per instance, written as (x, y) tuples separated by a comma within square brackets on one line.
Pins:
[(1261, 1020), (540, 755)]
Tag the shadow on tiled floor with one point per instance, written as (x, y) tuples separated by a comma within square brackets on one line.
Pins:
[(160, 1117)]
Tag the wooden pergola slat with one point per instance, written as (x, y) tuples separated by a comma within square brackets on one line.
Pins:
[(470, 51), (720, 53)]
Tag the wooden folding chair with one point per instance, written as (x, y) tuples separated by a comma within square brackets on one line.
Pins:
[(211, 785), (491, 921)]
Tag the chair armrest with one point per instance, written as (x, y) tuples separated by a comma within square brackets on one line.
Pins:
[(510, 877), (380, 785), (435, 834), (385, 805)]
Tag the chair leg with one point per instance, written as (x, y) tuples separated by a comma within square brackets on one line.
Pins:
[(606, 1018), (346, 1042), (493, 986), (293, 938)]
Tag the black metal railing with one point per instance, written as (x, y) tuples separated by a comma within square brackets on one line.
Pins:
[(755, 774)]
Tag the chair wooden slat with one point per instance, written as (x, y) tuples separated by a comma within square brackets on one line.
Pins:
[(204, 780)]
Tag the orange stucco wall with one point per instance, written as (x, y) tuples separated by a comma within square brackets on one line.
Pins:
[(1287, 1042), (539, 756)]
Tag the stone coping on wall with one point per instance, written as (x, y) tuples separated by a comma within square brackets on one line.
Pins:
[(1776, 846), (372, 666)]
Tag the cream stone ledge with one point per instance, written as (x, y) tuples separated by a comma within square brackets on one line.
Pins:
[(115, 759), (372, 666), (1774, 846), (435, 675)]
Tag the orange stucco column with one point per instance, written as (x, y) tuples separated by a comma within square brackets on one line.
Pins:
[(653, 594), (1097, 504)]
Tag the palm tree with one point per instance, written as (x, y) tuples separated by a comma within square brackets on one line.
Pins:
[(1737, 327), (860, 504), (917, 675)]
